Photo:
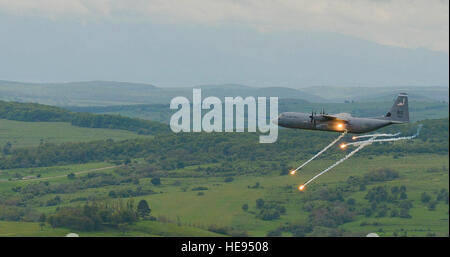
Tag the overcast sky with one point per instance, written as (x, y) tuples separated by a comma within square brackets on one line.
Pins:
[(38, 36)]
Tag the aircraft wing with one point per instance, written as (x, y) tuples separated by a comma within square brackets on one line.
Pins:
[(339, 117)]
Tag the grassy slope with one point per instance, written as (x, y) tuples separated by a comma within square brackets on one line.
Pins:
[(22, 134), (51, 172), (142, 228), (225, 201), (221, 204)]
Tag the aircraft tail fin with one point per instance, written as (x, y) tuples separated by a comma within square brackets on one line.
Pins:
[(399, 112)]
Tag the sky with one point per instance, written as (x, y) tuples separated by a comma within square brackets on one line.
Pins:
[(292, 43)]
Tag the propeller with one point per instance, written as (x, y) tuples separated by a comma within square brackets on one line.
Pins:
[(312, 116), (313, 120)]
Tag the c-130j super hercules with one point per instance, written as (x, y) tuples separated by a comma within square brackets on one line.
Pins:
[(345, 123)]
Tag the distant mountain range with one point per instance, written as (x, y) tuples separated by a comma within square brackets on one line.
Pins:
[(376, 94), (108, 93)]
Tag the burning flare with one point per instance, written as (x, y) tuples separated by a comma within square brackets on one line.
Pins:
[(292, 172), (343, 146), (301, 187)]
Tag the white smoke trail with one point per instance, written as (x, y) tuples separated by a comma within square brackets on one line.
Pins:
[(337, 163), (376, 135), (319, 153), (361, 145), (387, 139)]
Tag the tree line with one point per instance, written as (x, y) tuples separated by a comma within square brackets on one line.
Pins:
[(44, 113), (95, 216)]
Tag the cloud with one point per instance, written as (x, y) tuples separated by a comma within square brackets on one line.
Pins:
[(404, 23)]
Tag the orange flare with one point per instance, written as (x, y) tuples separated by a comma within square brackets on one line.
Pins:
[(343, 146), (292, 172), (301, 187)]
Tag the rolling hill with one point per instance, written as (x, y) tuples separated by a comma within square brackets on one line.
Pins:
[(110, 93)]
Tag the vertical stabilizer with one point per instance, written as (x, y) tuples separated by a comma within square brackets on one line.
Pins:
[(399, 112)]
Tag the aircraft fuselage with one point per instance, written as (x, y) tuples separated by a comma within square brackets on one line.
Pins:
[(351, 124)]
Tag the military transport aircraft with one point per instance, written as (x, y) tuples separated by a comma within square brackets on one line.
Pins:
[(345, 123)]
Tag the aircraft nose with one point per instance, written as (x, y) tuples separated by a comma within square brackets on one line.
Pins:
[(275, 121)]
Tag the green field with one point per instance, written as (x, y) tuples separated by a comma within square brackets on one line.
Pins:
[(226, 199), (220, 205), (142, 228), (51, 172), (22, 134)]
